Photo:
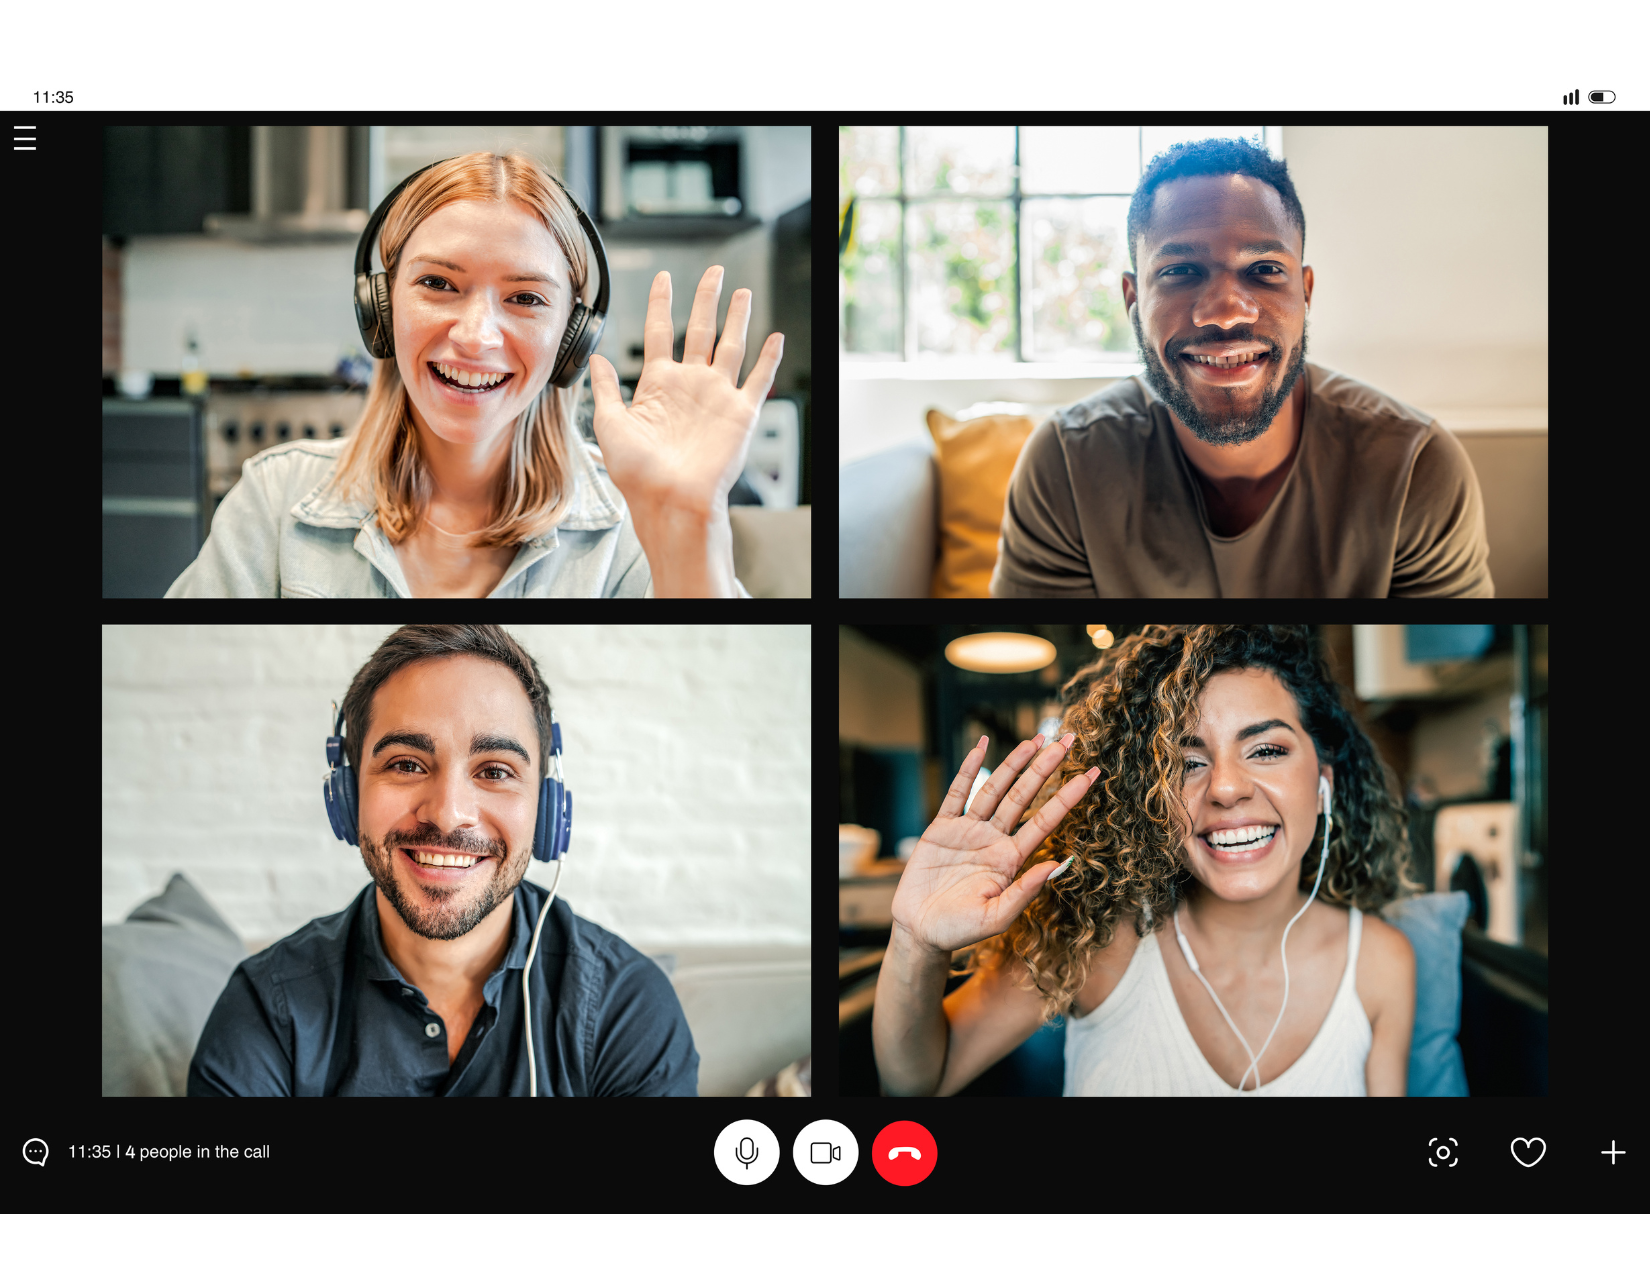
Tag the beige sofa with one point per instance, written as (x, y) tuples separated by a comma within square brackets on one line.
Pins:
[(773, 550), (888, 535)]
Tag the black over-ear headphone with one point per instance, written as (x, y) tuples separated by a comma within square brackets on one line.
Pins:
[(372, 296)]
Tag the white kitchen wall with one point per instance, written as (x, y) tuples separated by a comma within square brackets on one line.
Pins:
[(258, 309), (686, 749), (779, 169)]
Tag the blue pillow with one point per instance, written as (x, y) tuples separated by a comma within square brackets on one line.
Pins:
[(1432, 924)]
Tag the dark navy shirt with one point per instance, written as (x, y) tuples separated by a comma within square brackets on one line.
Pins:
[(324, 1012)]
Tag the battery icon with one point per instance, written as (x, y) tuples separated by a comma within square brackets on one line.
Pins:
[(1601, 95)]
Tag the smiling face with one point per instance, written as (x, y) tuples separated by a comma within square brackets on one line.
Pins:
[(1220, 277), (482, 296), (1251, 787), (447, 770)]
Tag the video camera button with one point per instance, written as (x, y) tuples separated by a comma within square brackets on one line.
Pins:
[(825, 1152)]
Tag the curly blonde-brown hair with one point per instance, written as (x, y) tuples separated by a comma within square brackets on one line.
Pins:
[(1130, 711)]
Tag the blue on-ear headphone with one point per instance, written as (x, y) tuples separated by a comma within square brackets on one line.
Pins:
[(550, 835)]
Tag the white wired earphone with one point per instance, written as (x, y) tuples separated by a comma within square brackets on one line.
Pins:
[(556, 803), (1185, 947), (526, 970)]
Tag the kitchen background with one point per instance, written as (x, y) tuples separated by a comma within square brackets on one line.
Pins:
[(1458, 711), (228, 323)]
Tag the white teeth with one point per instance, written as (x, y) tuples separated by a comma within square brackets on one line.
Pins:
[(473, 380), (445, 860), (1236, 360), (1240, 836)]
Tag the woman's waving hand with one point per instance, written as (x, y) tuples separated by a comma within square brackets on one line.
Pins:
[(960, 885), (678, 447)]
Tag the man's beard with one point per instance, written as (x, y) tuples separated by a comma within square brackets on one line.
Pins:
[(1220, 429), (445, 919)]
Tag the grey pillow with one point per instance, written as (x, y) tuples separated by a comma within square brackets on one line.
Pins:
[(1432, 924), (163, 968)]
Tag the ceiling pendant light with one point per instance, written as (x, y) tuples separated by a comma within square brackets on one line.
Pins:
[(1000, 653)]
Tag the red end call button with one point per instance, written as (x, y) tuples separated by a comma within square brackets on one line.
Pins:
[(904, 1153)]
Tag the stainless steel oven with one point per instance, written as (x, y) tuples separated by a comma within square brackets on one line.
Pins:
[(169, 462), (240, 425)]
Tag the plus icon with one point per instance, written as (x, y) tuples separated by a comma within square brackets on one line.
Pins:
[(1612, 1152)]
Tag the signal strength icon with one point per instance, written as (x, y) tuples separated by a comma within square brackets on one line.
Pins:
[(1571, 99)]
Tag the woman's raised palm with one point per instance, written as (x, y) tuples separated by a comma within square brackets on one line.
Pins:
[(960, 886), (681, 441)]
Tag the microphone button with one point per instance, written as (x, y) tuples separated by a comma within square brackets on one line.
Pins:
[(746, 1152)]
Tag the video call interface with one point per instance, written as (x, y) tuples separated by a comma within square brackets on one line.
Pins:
[(1067, 863)]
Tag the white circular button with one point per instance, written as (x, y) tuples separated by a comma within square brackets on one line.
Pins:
[(432, 1030), (825, 1152), (747, 1152)]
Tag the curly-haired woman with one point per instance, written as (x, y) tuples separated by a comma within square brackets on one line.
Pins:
[(1210, 750)]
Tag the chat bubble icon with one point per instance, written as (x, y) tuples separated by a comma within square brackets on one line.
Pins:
[(35, 1151)]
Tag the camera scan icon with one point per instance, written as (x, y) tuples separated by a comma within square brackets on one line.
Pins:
[(1444, 1151)]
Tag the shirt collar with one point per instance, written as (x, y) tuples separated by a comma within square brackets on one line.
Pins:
[(376, 960), (595, 506)]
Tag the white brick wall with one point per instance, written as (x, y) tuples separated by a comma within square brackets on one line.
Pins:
[(686, 749)]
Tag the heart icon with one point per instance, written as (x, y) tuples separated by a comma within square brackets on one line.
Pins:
[(1533, 1147)]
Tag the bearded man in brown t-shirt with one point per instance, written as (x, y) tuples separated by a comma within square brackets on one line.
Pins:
[(1232, 467)]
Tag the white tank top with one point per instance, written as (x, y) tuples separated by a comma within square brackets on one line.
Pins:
[(1137, 1044)]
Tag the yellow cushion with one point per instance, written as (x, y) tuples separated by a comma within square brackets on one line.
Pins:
[(975, 459)]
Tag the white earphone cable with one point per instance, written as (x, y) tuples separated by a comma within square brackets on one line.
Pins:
[(1186, 948), (527, 977), (1283, 951), (1191, 960)]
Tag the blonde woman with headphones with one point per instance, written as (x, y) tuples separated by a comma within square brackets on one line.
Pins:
[(466, 476)]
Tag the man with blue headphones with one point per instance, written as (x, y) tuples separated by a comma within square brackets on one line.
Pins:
[(450, 974)]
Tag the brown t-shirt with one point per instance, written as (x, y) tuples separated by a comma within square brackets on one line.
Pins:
[(1380, 502)]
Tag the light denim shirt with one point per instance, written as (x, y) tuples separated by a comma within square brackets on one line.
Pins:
[(278, 534)]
